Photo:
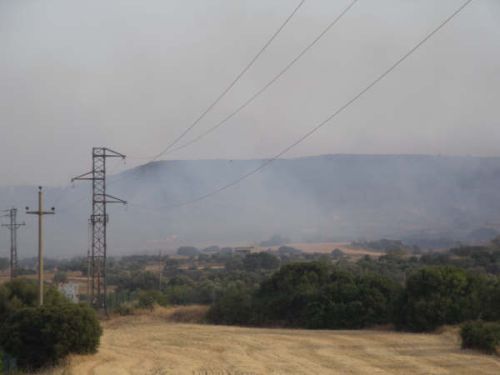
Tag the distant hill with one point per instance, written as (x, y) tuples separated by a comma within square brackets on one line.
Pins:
[(415, 198)]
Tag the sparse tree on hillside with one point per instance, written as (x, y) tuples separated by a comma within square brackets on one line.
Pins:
[(189, 251)]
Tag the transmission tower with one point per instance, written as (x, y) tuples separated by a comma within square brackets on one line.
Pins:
[(98, 220), (13, 227)]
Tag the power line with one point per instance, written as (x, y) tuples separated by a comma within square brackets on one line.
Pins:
[(379, 78), (216, 101), (268, 84), (231, 85)]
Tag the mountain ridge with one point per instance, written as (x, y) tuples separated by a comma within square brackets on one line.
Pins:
[(313, 198)]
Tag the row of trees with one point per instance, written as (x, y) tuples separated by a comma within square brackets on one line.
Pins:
[(318, 295)]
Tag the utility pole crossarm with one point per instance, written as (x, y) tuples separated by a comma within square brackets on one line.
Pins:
[(40, 212)]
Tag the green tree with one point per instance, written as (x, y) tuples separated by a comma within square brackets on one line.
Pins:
[(260, 261), (189, 251), (41, 336), (20, 293), (148, 298), (353, 301), (234, 307), (285, 296), (435, 296)]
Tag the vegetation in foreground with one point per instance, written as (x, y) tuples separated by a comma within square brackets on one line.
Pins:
[(406, 287), (41, 336), (402, 286), (484, 336)]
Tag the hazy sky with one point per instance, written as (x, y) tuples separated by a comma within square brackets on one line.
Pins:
[(131, 75)]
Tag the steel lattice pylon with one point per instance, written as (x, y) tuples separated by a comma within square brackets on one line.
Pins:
[(13, 226), (98, 220)]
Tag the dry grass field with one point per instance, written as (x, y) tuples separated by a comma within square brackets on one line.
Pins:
[(153, 344), (327, 247)]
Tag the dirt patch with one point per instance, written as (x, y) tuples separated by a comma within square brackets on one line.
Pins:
[(328, 247)]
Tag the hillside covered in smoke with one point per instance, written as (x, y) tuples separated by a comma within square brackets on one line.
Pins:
[(325, 198)]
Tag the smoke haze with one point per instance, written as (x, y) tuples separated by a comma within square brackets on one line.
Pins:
[(131, 75)]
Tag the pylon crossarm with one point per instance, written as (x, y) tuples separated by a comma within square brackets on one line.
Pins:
[(113, 199), (83, 177), (113, 154)]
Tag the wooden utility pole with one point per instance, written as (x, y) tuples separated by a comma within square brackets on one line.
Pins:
[(160, 265), (40, 214), (89, 261)]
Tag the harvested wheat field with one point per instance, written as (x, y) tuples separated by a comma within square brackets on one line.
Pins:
[(153, 344)]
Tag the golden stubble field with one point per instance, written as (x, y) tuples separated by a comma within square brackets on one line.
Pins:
[(153, 344)]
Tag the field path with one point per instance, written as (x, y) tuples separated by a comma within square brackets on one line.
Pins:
[(150, 345)]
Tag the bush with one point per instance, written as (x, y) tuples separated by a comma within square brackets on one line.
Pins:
[(180, 294), (258, 261), (20, 293), (42, 336), (350, 301), (125, 309), (435, 296), (234, 307), (285, 296), (60, 277), (310, 295), (189, 251), (148, 298), (480, 335)]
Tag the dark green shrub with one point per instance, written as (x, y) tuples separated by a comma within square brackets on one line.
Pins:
[(435, 296), (284, 298), (124, 309), (180, 294), (352, 301), (148, 298), (189, 251), (311, 295), (20, 293), (262, 260), (42, 336), (480, 335), (234, 307)]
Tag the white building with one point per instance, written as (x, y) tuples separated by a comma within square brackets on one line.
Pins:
[(70, 291)]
